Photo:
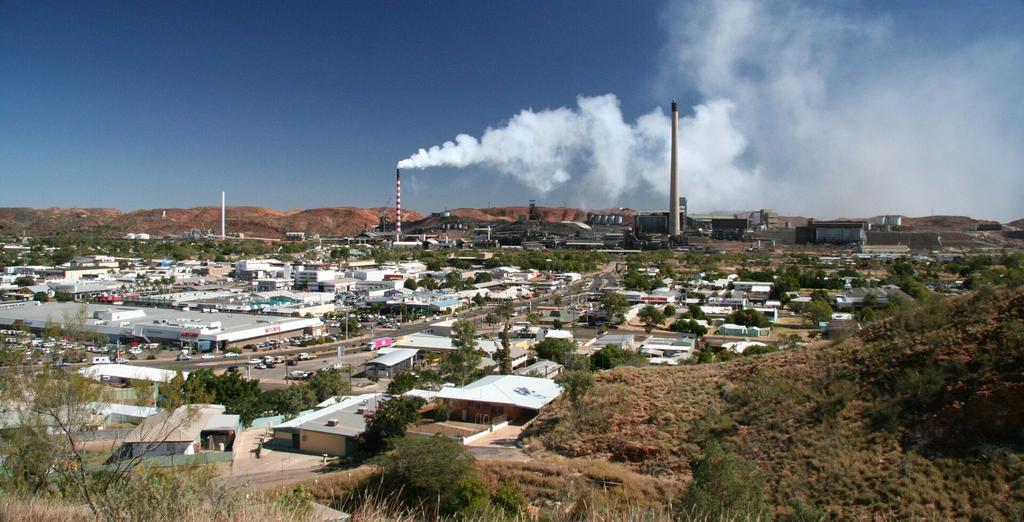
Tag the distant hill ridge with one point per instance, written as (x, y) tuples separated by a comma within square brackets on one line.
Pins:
[(273, 223)]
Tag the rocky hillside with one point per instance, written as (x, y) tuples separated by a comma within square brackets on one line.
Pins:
[(939, 223), (917, 418), (251, 221)]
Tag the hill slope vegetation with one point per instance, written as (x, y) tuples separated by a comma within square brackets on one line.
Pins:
[(916, 418)]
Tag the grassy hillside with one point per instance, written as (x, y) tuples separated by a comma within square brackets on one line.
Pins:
[(917, 418)]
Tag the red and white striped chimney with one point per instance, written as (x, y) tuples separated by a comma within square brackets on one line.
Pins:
[(398, 204)]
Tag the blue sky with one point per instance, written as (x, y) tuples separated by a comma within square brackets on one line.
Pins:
[(297, 105)]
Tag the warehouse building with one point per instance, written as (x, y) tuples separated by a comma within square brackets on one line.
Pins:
[(836, 232), (193, 329)]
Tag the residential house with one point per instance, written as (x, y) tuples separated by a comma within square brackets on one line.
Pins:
[(333, 430), (513, 397)]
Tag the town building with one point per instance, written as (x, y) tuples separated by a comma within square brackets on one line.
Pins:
[(512, 397), (333, 430)]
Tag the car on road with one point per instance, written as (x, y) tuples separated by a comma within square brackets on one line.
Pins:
[(298, 375), (261, 366), (292, 362), (136, 350), (121, 360), (183, 357), (231, 369), (231, 354), (254, 360), (206, 356), (304, 356)]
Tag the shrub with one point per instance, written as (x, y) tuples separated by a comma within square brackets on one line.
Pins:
[(431, 470), (748, 317), (509, 499), (558, 350), (725, 486), (469, 497)]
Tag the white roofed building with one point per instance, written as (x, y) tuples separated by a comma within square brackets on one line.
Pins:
[(513, 397), (124, 373)]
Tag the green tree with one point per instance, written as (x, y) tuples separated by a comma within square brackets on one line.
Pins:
[(575, 384), (42, 297), (464, 359), (402, 383), (560, 351), (819, 311), (748, 317), (411, 284), (327, 384), (285, 401), (24, 281), (505, 352), (612, 304), (609, 357), (390, 419), (689, 325), (725, 486), (434, 471), (651, 317)]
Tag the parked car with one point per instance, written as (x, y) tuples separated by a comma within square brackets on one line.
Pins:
[(121, 360), (231, 369)]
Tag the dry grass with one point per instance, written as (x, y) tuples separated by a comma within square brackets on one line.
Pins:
[(261, 509), (803, 416)]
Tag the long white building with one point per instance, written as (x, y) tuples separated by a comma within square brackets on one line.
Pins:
[(205, 331)]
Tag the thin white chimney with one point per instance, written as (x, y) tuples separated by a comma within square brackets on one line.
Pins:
[(673, 192), (223, 228)]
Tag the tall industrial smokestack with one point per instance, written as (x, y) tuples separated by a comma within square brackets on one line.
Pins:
[(398, 204), (223, 229), (673, 191)]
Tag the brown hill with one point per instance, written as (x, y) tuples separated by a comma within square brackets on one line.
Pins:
[(936, 223), (251, 221)]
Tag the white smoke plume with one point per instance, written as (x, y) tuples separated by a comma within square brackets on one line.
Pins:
[(595, 147), (846, 115), (808, 108)]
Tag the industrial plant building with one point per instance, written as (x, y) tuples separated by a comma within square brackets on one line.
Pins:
[(835, 232)]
